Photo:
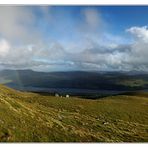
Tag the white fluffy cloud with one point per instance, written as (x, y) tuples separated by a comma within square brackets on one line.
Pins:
[(117, 56), (22, 45), (53, 56), (141, 33)]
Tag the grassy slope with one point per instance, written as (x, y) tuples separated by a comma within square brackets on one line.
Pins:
[(26, 117)]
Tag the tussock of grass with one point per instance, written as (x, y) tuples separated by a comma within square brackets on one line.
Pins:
[(30, 117)]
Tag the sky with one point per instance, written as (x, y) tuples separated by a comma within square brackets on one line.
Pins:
[(69, 38)]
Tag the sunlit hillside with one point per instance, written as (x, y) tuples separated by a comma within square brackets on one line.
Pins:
[(30, 117)]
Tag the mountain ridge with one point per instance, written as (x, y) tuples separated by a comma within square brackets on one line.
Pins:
[(75, 79)]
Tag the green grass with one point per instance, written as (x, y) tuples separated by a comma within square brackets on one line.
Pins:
[(133, 82), (30, 117)]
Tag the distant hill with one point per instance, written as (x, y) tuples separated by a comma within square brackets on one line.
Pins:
[(30, 117), (75, 79)]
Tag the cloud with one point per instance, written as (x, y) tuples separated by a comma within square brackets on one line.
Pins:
[(140, 33), (139, 51), (92, 17), (23, 44), (41, 56), (126, 57), (4, 47), (15, 23)]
